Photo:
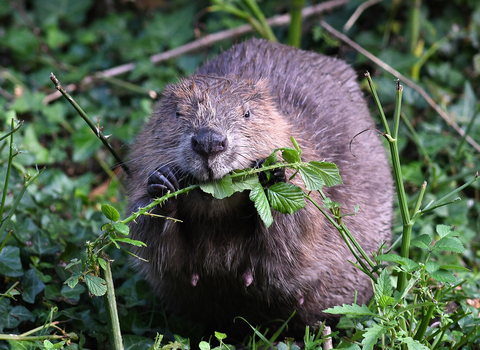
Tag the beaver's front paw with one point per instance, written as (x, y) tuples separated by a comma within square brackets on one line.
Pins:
[(162, 180), (276, 175)]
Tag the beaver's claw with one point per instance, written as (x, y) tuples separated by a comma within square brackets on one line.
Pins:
[(162, 180), (276, 175)]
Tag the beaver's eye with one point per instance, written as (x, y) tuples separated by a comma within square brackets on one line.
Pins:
[(178, 114), (247, 114)]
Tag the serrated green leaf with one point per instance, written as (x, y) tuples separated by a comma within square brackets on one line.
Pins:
[(407, 264), (431, 266), (31, 286), (328, 172), (285, 197), (443, 230), (219, 189), (129, 241), (385, 301), (383, 287), (454, 267), (422, 241), (110, 212), (290, 155), (449, 244), (73, 279), (313, 181), (258, 197), (10, 264), (352, 310), (443, 276), (244, 183), (121, 228), (96, 285), (371, 336), (413, 344)]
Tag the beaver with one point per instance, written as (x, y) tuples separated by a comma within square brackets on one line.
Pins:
[(221, 261)]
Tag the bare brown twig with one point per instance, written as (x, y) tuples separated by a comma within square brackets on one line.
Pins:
[(208, 40), (448, 119)]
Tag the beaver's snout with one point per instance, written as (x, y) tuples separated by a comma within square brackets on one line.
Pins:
[(208, 142)]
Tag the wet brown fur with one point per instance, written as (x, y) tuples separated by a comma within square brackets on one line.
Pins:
[(201, 267)]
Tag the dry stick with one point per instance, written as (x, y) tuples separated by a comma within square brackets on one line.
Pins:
[(360, 9), (208, 40), (404, 79), (92, 126)]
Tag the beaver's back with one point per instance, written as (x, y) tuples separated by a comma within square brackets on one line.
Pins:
[(321, 98)]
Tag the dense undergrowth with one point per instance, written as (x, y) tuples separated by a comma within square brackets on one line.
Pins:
[(436, 47)]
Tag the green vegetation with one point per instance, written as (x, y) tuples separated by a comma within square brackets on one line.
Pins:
[(62, 193)]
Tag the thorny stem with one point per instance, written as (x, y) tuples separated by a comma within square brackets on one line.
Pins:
[(92, 126)]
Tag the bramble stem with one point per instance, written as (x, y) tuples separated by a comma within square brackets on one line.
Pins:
[(85, 117)]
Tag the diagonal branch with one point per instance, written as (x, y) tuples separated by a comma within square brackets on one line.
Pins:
[(448, 119), (208, 40)]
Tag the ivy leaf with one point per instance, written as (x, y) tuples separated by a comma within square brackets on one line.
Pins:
[(422, 241), (31, 286), (258, 197), (204, 345), (219, 189), (449, 244), (10, 264), (121, 228), (110, 212), (383, 287), (371, 336), (313, 181), (72, 294), (285, 197), (328, 172), (96, 285), (352, 310)]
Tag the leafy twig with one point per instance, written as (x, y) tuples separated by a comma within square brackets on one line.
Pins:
[(92, 126)]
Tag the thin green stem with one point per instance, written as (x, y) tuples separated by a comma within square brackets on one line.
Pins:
[(295, 30), (419, 200), (414, 23), (9, 167), (38, 337), (26, 183), (377, 103), (415, 70), (253, 6), (437, 203), (427, 317), (111, 305), (416, 139), (92, 126), (468, 130), (398, 109)]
